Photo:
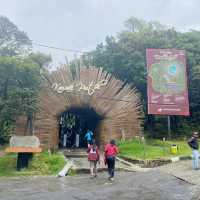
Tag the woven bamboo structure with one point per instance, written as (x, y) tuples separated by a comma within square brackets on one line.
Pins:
[(116, 102)]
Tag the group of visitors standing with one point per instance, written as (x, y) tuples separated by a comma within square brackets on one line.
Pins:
[(110, 152)]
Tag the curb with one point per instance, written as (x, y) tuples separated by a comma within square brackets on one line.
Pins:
[(178, 158), (87, 170), (154, 162)]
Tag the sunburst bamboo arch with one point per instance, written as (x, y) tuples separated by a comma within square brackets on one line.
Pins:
[(119, 104)]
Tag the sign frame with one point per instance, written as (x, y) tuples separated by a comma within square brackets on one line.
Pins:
[(167, 85)]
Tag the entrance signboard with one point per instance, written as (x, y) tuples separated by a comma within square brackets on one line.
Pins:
[(80, 93), (90, 88), (167, 82)]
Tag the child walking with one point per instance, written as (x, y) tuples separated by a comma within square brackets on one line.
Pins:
[(111, 151), (89, 137), (93, 158)]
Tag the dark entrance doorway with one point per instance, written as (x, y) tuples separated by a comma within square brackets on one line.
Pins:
[(73, 125)]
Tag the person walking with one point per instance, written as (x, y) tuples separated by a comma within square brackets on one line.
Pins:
[(93, 158), (89, 136), (193, 143), (110, 153)]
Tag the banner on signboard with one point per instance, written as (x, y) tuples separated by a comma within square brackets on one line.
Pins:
[(167, 89)]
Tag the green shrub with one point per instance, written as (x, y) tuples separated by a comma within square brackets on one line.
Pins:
[(8, 164), (152, 149), (41, 164), (47, 164)]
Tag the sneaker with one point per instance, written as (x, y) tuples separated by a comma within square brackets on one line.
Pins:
[(91, 176), (111, 179)]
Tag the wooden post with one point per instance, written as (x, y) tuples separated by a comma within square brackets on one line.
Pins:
[(169, 127), (23, 160)]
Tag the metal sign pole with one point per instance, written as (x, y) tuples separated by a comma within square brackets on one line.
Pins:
[(169, 127)]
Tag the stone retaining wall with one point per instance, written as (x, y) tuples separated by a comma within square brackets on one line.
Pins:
[(147, 163)]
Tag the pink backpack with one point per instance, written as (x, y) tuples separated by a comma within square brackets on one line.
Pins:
[(93, 155)]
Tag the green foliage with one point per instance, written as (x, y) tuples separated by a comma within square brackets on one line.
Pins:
[(12, 40), (6, 131), (69, 121), (41, 164), (152, 149), (125, 56), (20, 77), (8, 165), (46, 164), (19, 87), (134, 24), (41, 59)]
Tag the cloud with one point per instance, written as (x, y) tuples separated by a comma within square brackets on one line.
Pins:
[(82, 24)]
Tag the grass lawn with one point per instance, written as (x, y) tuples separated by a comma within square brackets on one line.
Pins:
[(41, 164), (152, 149)]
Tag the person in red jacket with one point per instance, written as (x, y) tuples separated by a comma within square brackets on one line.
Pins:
[(111, 151), (93, 158)]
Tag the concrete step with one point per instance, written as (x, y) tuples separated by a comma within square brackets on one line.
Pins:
[(82, 170), (74, 153), (81, 165)]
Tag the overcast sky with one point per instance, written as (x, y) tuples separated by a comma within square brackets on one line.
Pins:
[(82, 24)]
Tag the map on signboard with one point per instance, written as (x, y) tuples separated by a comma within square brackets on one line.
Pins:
[(168, 77)]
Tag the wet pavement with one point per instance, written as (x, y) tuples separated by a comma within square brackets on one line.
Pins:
[(151, 185), (182, 170), (82, 165)]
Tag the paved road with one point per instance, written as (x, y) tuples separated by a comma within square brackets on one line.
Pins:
[(183, 170), (82, 164), (151, 185)]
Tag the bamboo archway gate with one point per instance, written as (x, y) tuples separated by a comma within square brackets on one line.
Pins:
[(92, 87)]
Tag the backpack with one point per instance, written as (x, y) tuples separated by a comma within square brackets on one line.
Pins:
[(93, 155), (193, 144)]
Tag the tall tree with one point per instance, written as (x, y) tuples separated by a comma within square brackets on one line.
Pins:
[(12, 40), (19, 85), (19, 76), (41, 59), (124, 56)]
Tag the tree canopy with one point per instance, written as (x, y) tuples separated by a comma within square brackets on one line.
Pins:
[(20, 77), (12, 40), (125, 57)]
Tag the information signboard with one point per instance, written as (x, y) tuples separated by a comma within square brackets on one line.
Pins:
[(167, 82)]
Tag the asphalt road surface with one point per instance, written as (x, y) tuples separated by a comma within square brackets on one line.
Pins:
[(152, 185)]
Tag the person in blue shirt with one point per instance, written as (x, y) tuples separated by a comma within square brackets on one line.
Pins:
[(89, 137)]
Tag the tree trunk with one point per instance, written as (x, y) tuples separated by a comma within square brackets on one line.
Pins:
[(29, 125), (151, 125)]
